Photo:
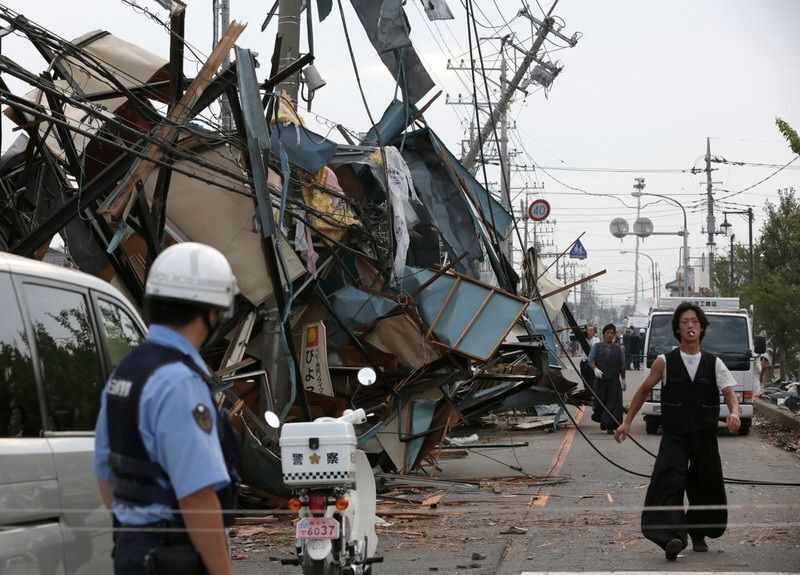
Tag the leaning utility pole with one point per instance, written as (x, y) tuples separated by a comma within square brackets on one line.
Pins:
[(222, 19), (289, 34), (545, 27), (710, 221), (505, 162)]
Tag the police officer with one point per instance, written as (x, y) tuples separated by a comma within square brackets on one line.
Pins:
[(688, 458), (164, 457), (607, 360)]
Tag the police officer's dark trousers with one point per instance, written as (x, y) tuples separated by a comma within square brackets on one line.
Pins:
[(686, 463), (132, 544)]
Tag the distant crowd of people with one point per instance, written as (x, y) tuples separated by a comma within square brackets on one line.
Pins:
[(633, 345), (631, 341)]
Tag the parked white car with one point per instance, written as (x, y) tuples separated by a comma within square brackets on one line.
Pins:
[(61, 333)]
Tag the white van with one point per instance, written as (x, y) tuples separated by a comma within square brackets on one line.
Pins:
[(61, 333), (729, 337)]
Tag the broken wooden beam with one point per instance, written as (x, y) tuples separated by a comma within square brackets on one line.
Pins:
[(119, 202)]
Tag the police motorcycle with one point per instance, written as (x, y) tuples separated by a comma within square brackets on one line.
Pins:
[(333, 490)]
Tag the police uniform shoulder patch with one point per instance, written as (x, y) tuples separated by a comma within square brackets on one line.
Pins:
[(202, 415)]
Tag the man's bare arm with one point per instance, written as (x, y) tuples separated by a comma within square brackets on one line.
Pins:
[(106, 489), (732, 421), (202, 516), (656, 372)]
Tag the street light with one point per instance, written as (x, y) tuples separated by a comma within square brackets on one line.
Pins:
[(726, 228), (684, 232), (652, 267)]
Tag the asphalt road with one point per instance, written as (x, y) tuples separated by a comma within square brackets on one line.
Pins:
[(586, 521)]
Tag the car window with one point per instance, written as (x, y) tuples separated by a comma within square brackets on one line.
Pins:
[(68, 357), (20, 415), (122, 333), (660, 338), (726, 336)]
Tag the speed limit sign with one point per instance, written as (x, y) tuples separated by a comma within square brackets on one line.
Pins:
[(539, 210)]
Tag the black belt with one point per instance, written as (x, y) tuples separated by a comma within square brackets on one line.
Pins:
[(172, 533)]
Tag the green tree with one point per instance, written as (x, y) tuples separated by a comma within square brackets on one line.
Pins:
[(775, 292), (741, 271), (790, 135)]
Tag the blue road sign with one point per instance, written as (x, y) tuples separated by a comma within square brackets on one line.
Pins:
[(578, 252)]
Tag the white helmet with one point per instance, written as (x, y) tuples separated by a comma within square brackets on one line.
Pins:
[(193, 273)]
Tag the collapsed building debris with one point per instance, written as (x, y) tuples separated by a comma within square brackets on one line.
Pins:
[(347, 255)]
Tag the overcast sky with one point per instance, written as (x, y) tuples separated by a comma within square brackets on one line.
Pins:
[(641, 91)]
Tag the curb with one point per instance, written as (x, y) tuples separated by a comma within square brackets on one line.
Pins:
[(782, 417)]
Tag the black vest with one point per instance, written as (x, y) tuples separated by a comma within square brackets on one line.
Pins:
[(690, 407), (608, 360), (135, 472)]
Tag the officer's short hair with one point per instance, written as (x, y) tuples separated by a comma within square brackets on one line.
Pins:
[(683, 308), (171, 312), (609, 326)]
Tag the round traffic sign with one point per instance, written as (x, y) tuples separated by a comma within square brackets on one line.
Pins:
[(539, 210)]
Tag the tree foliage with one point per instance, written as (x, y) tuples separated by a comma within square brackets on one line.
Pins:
[(775, 291), (790, 135)]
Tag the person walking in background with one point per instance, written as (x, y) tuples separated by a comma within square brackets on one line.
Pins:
[(688, 458), (641, 347), (626, 345), (587, 374), (607, 361), (635, 349)]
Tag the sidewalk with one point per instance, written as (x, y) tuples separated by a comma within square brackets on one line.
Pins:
[(780, 416)]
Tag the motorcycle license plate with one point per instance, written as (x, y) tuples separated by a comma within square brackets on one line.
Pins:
[(318, 528)]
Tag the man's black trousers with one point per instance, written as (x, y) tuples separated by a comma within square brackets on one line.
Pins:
[(685, 464)]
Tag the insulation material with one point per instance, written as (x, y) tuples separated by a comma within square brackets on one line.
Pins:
[(339, 215)]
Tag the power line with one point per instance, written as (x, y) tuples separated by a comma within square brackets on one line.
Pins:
[(761, 181)]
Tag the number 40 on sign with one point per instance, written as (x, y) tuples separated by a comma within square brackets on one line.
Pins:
[(539, 210)]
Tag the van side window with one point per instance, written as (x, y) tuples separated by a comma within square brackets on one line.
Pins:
[(20, 415), (122, 333), (68, 356)]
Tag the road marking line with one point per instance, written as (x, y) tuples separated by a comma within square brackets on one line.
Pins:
[(540, 499)]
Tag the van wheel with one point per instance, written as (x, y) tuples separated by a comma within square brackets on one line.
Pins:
[(744, 428), (651, 425)]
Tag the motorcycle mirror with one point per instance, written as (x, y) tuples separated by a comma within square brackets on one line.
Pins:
[(272, 419), (367, 376)]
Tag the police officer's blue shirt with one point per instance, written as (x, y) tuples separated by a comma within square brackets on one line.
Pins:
[(172, 437)]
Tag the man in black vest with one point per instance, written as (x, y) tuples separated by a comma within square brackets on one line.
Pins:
[(164, 458), (688, 459)]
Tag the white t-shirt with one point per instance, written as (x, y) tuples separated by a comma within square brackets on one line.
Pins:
[(692, 362), (591, 341)]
